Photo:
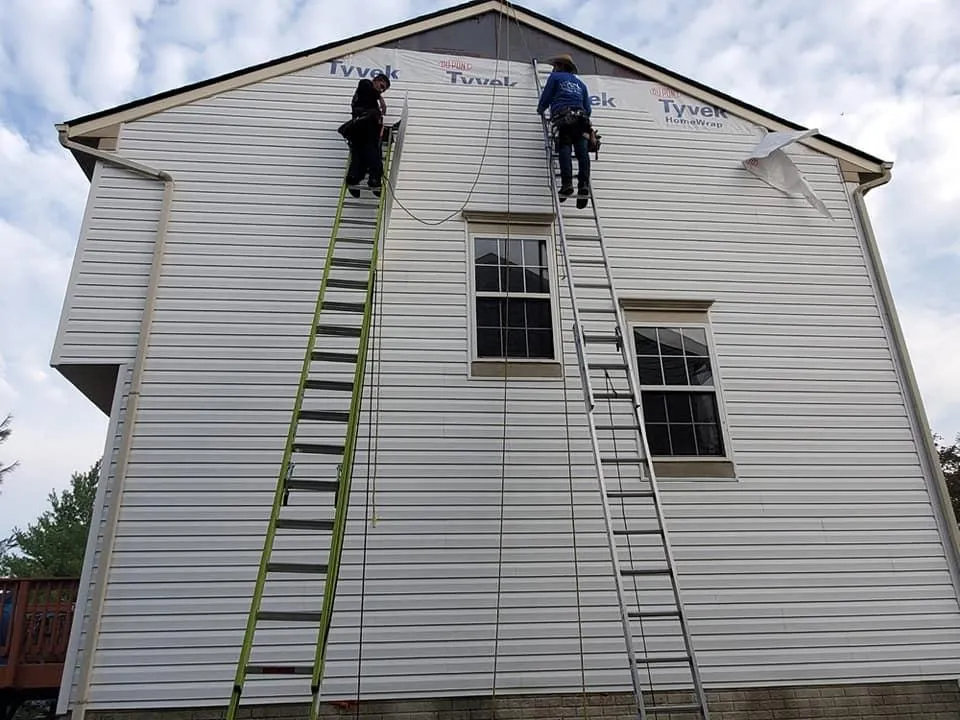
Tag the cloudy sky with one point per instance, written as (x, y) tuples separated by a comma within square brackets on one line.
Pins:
[(882, 75)]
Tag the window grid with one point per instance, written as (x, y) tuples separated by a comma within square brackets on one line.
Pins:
[(680, 407), (513, 311)]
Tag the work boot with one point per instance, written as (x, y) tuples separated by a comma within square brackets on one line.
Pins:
[(375, 189), (583, 194), (353, 188), (566, 189)]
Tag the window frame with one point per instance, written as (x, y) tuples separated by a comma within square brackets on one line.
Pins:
[(494, 367), (661, 315)]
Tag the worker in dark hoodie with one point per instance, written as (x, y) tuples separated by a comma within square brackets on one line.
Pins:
[(363, 132), (569, 101)]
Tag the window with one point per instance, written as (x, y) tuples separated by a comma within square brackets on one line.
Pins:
[(680, 407), (513, 308)]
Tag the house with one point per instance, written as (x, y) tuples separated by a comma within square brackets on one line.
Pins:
[(816, 553)]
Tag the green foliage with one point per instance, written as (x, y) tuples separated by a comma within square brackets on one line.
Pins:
[(5, 431), (53, 546), (950, 464)]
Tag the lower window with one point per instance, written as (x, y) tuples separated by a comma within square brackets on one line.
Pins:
[(679, 399), (514, 315)]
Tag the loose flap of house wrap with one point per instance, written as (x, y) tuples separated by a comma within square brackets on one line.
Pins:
[(771, 164)]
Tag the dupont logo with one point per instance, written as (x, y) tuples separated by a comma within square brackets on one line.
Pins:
[(456, 64), (664, 92), (341, 69)]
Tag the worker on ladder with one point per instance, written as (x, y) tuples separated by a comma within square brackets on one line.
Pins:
[(569, 101), (362, 132)]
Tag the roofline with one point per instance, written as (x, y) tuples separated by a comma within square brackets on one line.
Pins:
[(862, 162)]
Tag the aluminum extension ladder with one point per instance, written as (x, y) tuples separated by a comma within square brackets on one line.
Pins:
[(317, 463), (642, 559)]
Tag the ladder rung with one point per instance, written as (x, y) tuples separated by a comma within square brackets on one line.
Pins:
[(312, 485), (641, 573), (359, 241), (358, 221), (347, 284), (629, 493), (657, 709), (647, 660), (338, 330), (612, 396), (337, 306), (338, 385), (653, 614), (621, 460), (279, 670), (325, 415), (607, 366), (597, 338), (350, 263), (318, 448), (596, 311), (616, 427), (637, 532), (288, 616), (595, 285), (296, 524), (303, 568), (587, 261), (323, 356)]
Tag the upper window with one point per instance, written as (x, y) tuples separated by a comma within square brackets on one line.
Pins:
[(513, 301), (679, 398)]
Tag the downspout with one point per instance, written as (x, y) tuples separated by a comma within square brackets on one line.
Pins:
[(133, 401), (945, 518)]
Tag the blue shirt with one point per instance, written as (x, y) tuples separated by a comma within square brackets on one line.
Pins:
[(564, 90)]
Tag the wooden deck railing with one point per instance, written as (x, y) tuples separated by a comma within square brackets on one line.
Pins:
[(35, 619)]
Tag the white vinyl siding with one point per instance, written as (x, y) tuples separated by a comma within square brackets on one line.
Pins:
[(821, 563)]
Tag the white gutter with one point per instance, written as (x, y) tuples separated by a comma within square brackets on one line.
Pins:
[(129, 420), (929, 459)]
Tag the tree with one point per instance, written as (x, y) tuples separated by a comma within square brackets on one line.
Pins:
[(950, 463), (5, 431), (53, 546)]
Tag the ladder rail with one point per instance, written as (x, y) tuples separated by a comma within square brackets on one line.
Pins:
[(590, 405), (349, 452), (633, 384)]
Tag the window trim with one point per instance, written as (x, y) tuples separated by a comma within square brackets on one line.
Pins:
[(494, 368), (684, 314)]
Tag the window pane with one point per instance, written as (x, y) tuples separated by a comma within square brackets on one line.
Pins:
[(654, 407), (533, 280), (700, 373), (648, 368), (678, 408), (488, 312), (514, 251), (694, 341), (682, 440), (487, 278), (545, 279), (515, 317), (540, 343), (516, 343), (488, 343), (674, 371), (515, 275), (670, 342), (538, 314), (704, 408), (486, 250), (658, 438), (645, 339), (534, 252), (708, 440)]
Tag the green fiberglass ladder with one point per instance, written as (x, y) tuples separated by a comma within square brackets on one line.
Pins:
[(285, 642), (655, 628)]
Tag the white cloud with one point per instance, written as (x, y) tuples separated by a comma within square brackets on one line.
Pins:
[(883, 75)]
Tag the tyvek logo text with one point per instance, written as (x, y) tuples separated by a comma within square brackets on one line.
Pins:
[(338, 67)]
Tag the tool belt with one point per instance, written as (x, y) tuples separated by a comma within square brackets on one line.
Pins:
[(571, 122)]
